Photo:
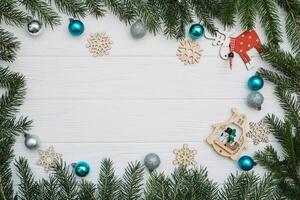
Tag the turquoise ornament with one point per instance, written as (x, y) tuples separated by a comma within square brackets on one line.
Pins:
[(81, 168), (255, 82), (76, 27), (246, 163), (196, 31)]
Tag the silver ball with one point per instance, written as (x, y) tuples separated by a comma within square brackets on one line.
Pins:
[(138, 29), (31, 141), (152, 161), (34, 27), (255, 100)]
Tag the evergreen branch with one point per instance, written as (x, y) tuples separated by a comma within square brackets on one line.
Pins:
[(96, 8), (8, 46), (269, 18), (108, 183), (13, 127), (247, 13), (7, 155), (227, 13), (121, 9), (267, 188), (178, 184), (10, 14), (74, 8), (131, 184), (50, 188), (43, 11), (66, 182), (87, 190), (157, 187), (28, 187)]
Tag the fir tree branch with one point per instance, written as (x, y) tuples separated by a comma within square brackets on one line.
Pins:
[(74, 8), (178, 184), (121, 9), (266, 186), (227, 13), (10, 14), (108, 183), (157, 187), (96, 8), (8, 46), (247, 13), (43, 11), (50, 188), (13, 127), (87, 190)]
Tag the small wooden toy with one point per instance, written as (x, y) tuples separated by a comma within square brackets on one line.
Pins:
[(229, 138)]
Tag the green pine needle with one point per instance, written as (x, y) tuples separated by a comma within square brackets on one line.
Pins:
[(8, 46), (96, 8), (247, 12)]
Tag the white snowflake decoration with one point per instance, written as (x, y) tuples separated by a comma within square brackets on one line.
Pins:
[(258, 132), (48, 158), (189, 52), (99, 44), (184, 156)]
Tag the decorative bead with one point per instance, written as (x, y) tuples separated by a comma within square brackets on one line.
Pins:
[(231, 55), (255, 100), (31, 141), (246, 163), (196, 31), (138, 30), (76, 27), (152, 161), (255, 83), (81, 168), (34, 27)]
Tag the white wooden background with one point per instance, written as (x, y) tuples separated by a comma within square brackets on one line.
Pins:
[(137, 100)]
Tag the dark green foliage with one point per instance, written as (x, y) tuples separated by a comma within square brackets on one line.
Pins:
[(247, 12), (95, 7), (10, 14), (227, 13), (87, 190), (8, 46), (73, 8)]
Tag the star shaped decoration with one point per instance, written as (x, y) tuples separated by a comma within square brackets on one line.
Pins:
[(48, 158), (189, 52), (184, 156), (99, 44), (258, 132)]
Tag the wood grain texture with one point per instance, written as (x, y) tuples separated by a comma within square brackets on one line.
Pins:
[(140, 99)]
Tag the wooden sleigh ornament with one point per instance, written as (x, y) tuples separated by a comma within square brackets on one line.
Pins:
[(229, 138)]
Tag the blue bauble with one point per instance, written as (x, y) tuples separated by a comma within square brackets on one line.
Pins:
[(255, 83), (76, 27), (196, 31), (246, 163), (82, 169)]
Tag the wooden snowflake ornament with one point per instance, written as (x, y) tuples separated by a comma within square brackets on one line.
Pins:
[(99, 44), (189, 52), (48, 158), (184, 156), (258, 132)]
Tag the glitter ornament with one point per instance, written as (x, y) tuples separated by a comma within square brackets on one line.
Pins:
[(81, 168), (152, 161), (258, 132), (246, 163), (184, 156), (99, 44), (76, 27), (48, 158), (34, 27), (189, 52), (31, 141), (138, 30), (196, 31), (255, 100), (255, 83)]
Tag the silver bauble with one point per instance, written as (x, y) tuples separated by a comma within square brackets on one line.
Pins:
[(255, 100), (31, 141), (138, 29), (152, 161), (34, 27)]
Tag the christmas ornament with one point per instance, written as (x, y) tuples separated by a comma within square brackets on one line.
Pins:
[(184, 156), (81, 168), (229, 138), (189, 52), (138, 29), (258, 132), (255, 100), (48, 158), (76, 27), (31, 141), (152, 161), (246, 163), (240, 45), (34, 27), (255, 82), (99, 44), (196, 31)]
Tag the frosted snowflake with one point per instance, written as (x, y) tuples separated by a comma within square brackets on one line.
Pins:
[(189, 52), (99, 44), (48, 158), (184, 156), (258, 132)]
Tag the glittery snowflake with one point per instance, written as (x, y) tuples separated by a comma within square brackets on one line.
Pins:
[(48, 158), (258, 132), (189, 52), (99, 44), (184, 156)]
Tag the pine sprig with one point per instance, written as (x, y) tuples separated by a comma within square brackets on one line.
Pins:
[(8, 46), (50, 188), (247, 12), (108, 183), (14, 127), (95, 8), (157, 187), (43, 11), (74, 8), (11, 14), (87, 190), (122, 9)]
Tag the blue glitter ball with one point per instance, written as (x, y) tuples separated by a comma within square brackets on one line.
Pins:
[(82, 169), (246, 163), (196, 31), (255, 83), (76, 27)]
